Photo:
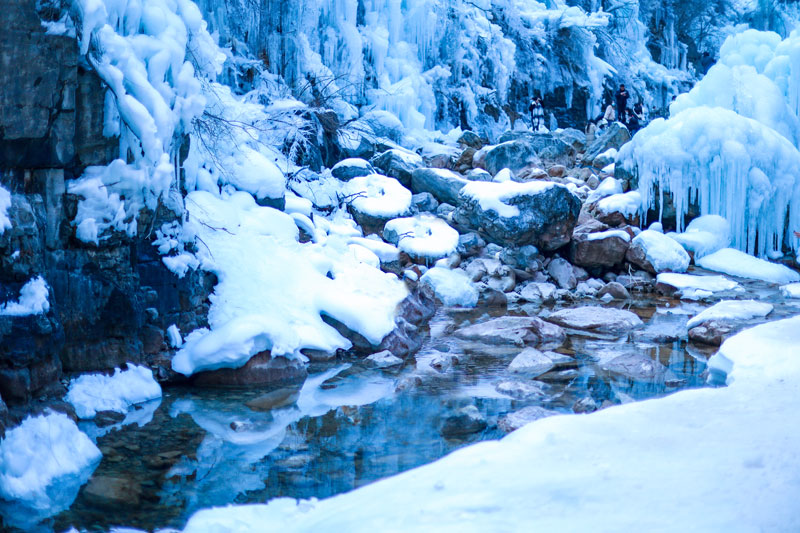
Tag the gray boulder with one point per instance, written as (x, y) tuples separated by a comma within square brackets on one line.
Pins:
[(546, 218), (443, 184), (562, 273), (596, 319), (352, 168), (517, 330), (465, 421), (600, 249), (513, 155), (526, 415), (614, 136), (398, 164)]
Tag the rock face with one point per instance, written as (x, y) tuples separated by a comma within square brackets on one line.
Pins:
[(443, 184), (596, 319), (261, 369), (516, 330), (546, 219)]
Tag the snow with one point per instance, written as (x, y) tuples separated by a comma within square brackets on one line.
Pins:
[(663, 253), (732, 310), (697, 287), (452, 287), (600, 235), (33, 300), (607, 187), (379, 196), (704, 235), (254, 252), (622, 468), (91, 393), (628, 204), (174, 338), (5, 203), (792, 290), (736, 263), (498, 197), (422, 236), (39, 455)]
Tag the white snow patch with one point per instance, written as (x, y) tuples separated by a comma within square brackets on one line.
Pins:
[(704, 235), (33, 300), (628, 204), (452, 287), (5, 203), (697, 287), (424, 236), (662, 252), (732, 310), (379, 196), (497, 196), (91, 393), (735, 263)]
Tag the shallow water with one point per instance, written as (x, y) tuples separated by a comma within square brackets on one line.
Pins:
[(350, 424)]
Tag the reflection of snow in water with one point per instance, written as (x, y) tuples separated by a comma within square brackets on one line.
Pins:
[(239, 438), (141, 415)]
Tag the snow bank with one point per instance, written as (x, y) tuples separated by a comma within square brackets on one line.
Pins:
[(704, 235), (39, 454), (273, 290), (628, 204), (379, 196), (497, 197), (33, 300), (608, 187), (732, 310), (792, 290), (91, 393), (699, 460), (736, 263), (452, 287), (422, 236)]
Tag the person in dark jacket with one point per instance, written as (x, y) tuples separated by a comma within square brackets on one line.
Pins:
[(622, 103), (537, 113)]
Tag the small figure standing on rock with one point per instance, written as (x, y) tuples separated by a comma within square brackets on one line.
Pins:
[(622, 103), (537, 113)]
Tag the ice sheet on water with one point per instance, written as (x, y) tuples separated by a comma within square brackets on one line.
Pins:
[(736, 263)]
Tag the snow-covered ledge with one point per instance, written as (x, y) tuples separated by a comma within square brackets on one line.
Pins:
[(723, 459)]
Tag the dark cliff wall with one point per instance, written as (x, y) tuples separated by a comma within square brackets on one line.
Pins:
[(109, 304)]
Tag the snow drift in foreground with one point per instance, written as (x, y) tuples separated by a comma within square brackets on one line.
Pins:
[(91, 393), (43, 463), (699, 460)]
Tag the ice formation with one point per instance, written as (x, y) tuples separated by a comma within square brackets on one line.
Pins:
[(33, 300), (736, 263), (731, 144), (704, 235), (5, 203), (732, 310), (91, 393)]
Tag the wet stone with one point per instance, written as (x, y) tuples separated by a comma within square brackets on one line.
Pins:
[(526, 415), (465, 421)]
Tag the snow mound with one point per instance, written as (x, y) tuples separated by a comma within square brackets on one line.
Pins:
[(91, 393), (735, 263), (422, 236), (273, 290), (704, 235), (452, 287), (608, 187), (379, 196), (792, 290), (732, 310), (497, 196), (630, 457), (33, 300), (36, 455), (663, 253), (628, 204)]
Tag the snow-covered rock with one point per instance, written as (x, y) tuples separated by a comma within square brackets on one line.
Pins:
[(516, 330), (422, 236), (694, 287), (596, 319), (735, 263), (399, 164), (350, 168), (452, 287), (375, 199), (91, 393), (704, 235), (540, 213), (531, 361), (33, 300), (443, 184), (731, 310), (792, 290), (655, 252)]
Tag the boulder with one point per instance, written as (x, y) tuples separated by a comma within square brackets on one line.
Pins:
[(655, 252), (596, 319), (398, 163), (604, 249), (526, 415), (543, 214), (443, 184), (384, 359), (616, 290), (549, 148), (352, 168), (424, 202), (465, 421), (536, 292), (573, 137), (562, 273), (262, 369), (531, 361), (471, 139), (521, 390), (614, 136), (513, 155), (635, 366), (713, 332), (517, 330)]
